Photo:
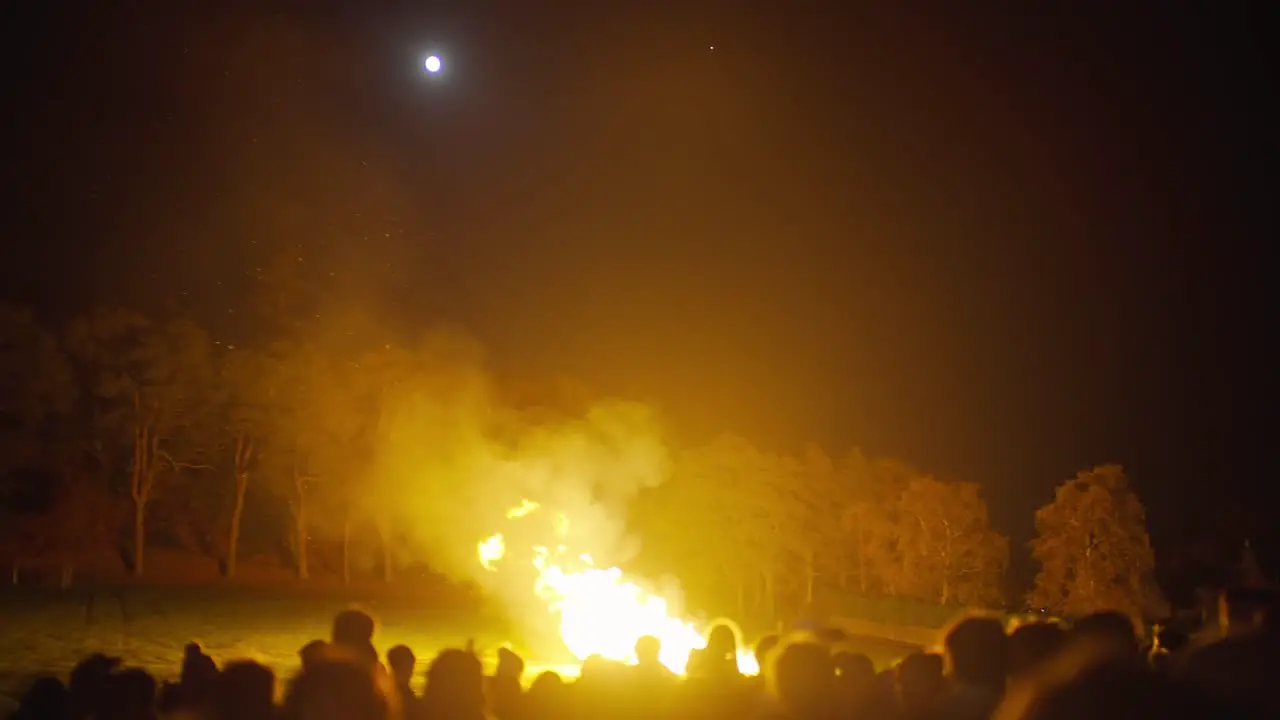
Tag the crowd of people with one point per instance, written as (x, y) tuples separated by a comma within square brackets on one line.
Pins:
[(1097, 668)]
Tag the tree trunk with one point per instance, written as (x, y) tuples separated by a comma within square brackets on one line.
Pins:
[(946, 588), (742, 596), (13, 575), (385, 533), (810, 577), (244, 452), (346, 550), (233, 539), (770, 594), (862, 568), (140, 482), (139, 536), (301, 529), (300, 511)]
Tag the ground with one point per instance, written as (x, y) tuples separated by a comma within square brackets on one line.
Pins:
[(48, 630)]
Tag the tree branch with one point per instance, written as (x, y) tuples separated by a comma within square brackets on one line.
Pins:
[(175, 465)]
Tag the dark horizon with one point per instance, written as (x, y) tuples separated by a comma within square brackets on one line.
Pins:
[(1003, 247)]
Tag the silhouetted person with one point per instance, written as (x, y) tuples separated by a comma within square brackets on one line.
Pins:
[(1032, 644), (650, 683), (401, 663), (46, 699), (505, 690), (1240, 668), (719, 660), (977, 660), (1094, 679), (547, 697), (803, 680), (1112, 628), (198, 669), (1168, 649), (340, 689), (455, 687), (312, 653), (855, 683), (1244, 610), (195, 682), (649, 667), (353, 631), (921, 685), (763, 647), (87, 690), (131, 695), (244, 690)]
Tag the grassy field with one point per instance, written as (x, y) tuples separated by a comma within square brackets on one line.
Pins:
[(48, 631)]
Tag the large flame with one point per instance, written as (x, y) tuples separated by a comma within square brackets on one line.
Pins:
[(599, 610)]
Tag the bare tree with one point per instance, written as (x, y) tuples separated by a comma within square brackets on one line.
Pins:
[(956, 556), (150, 384)]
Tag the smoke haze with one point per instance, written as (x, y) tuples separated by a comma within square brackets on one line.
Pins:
[(451, 459)]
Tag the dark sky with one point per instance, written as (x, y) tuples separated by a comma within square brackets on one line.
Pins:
[(1001, 245)]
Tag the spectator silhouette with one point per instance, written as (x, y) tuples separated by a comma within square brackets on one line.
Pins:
[(46, 699), (505, 689), (455, 687), (312, 653), (353, 631), (547, 697), (195, 682), (719, 660), (649, 668), (1111, 628), (401, 663), (977, 659), (803, 678), (1092, 671), (921, 685), (335, 689), (130, 695), (1239, 669), (245, 690), (1032, 644), (87, 690), (651, 683), (855, 682)]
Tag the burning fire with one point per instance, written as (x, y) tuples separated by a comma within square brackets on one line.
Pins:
[(599, 610)]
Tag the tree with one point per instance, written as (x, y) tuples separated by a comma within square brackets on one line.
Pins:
[(149, 385), (77, 523), (1093, 548), (37, 386), (748, 512), (953, 555), (873, 517), (249, 393), (821, 493), (318, 433), (387, 373), (297, 378), (421, 404)]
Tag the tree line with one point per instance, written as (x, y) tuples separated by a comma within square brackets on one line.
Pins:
[(118, 423)]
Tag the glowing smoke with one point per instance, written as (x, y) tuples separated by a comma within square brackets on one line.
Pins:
[(450, 461)]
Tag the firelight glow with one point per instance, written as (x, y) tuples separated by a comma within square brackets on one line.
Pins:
[(600, 611), (433, 64)]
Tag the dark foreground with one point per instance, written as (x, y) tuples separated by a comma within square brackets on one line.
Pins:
[(49, 631)]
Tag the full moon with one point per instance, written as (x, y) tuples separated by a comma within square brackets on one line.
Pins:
[(433, 64)]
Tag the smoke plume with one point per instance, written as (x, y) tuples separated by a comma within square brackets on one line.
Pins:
[(451, 460)]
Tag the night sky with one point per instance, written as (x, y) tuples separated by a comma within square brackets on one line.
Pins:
[(1003, 246)]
